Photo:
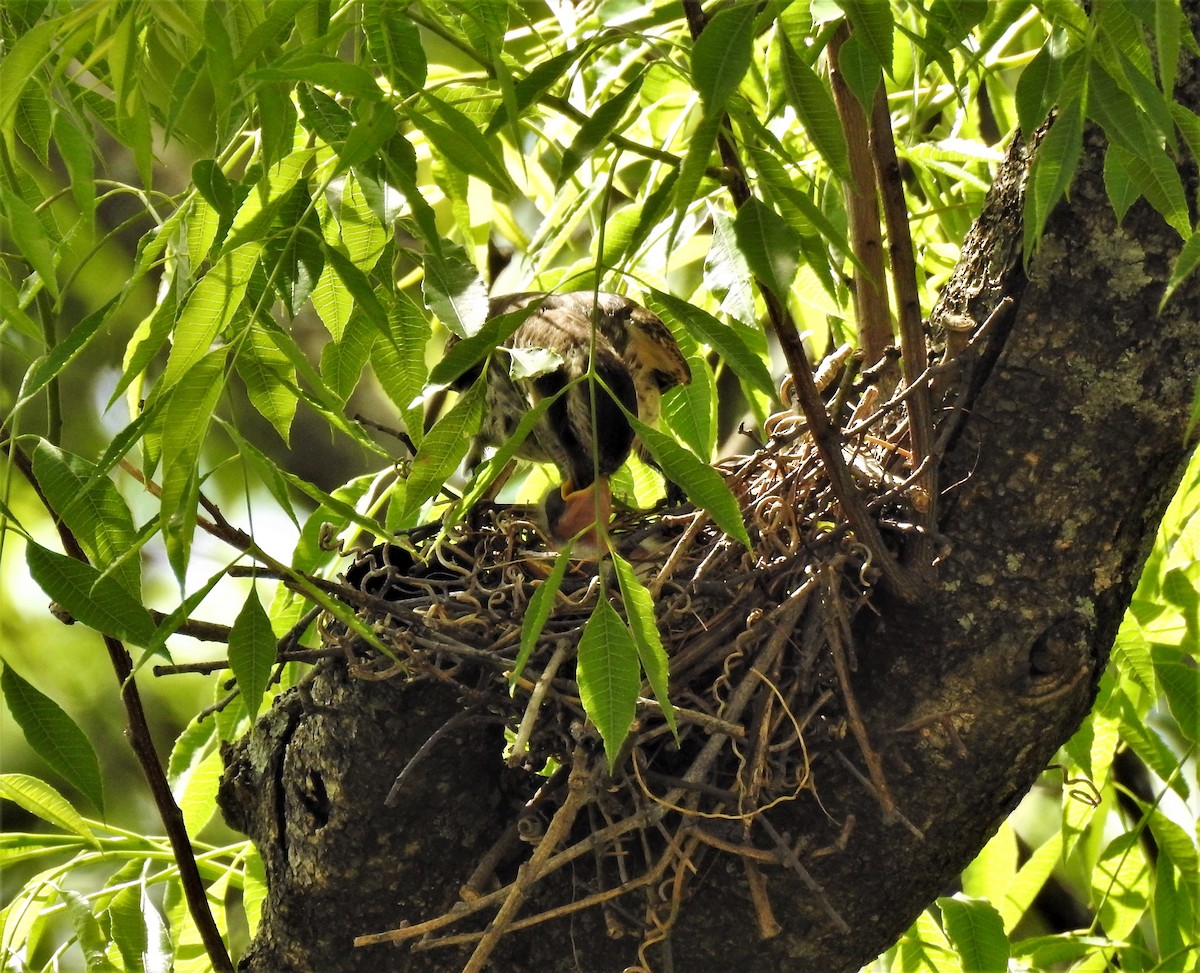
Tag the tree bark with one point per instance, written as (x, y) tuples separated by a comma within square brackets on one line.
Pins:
[(1071, 440)]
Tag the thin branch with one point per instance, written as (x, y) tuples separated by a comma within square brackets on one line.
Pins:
[(142, 743), (862, 207), (914, 356)]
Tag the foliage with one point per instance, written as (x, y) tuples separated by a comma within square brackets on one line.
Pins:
[(235, 225)]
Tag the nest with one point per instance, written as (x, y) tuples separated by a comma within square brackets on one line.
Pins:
[(761, 650)]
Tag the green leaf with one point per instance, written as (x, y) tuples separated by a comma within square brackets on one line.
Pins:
[(442, 449), (639, 612), (541, 604), (32, 241), (395, 43), (127, 926), (860, 66), (1035, 90), (459, 139), (464, 355), (608, 676), (703, 485), (252, 652), (92, 507), (530, 88), (342, 362), (90, 937), (592, 132), (770, 245), (212, 305), (872, 24), (64, 352), (722, 54), (1121, 885), (1185, 265), (1052, 170), (269, 380), (1119, 187), (814, 106), (97, 600), (187, 414), (54, 737), (725, 339), (40, 799), (198, 795), (75, 147), (21, 63), (326, 71), (977, 932)]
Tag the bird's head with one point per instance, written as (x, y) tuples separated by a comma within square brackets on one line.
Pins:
[(576, 513)]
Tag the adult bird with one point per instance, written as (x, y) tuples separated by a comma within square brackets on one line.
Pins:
[(585, 432)]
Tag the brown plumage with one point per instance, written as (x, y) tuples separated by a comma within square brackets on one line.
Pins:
[(636, 358)]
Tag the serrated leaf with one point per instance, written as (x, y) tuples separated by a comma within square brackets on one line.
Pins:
[(90, 937), (40, 799), (722, 54), (395, 43), (536, 83), (1052, 170), (92, 507), (643, 626), (703, 485), (592, 132), (252, 652), (54, 737), (75, 147), (873, 25), (1035, 89), (977, 932), (97, 600), (608, 676), (814, 106), (28, 233), (458, 138), (342, 362), (1185, 265), (326, 71), (723, 338), (269, 380), (212, 305), (541, 604), (198, 795), (127, 927), (187, 414), (443, 448), (862, 69), (20, 64), (771, 247)]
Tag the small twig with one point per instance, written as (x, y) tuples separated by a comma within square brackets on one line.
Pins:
[(795, 864), (838, 633), (194, 627), (529, 720), (578, 793), (469, 715)]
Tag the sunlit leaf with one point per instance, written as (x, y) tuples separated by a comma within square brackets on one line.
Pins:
[(97, 600), (40, 799), (721, 56), (252, 652), (58, 740), (608, 675), (541, 604), (975, 929), (643, 626)]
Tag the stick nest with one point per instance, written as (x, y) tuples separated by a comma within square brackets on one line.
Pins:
[(760, 647)]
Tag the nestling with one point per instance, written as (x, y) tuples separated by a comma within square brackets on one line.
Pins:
[(635, 358)]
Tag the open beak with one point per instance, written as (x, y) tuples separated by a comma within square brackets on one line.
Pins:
[(578, 512)]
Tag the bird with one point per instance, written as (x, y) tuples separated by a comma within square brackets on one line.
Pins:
[(585, 432)]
